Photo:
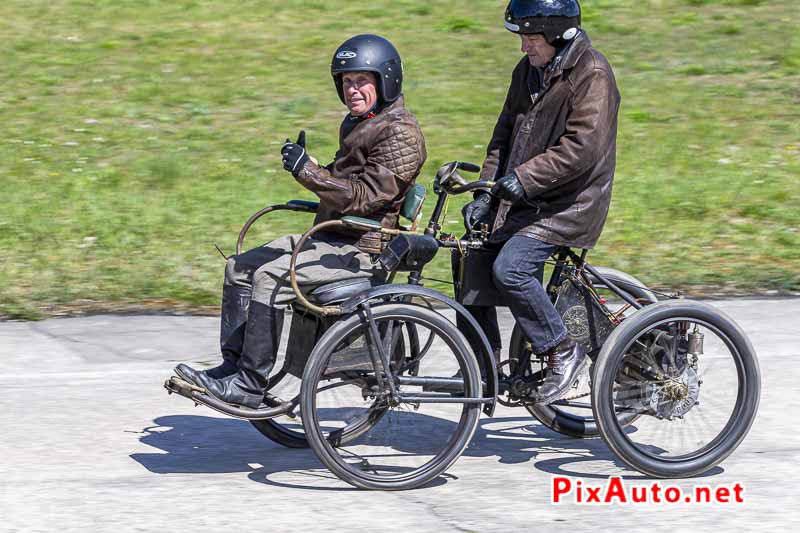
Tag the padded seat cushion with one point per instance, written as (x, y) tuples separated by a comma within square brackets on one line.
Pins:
[(340, 291)]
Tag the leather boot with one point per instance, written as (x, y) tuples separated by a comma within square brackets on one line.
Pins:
[(564, 364), (261, 341), (235, 304)]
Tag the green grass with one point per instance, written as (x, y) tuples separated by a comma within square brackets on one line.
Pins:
[(138, 133)]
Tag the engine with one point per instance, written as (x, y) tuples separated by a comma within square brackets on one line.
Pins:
[(659, 376)]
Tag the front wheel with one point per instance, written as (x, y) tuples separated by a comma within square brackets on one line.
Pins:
[(422, 413), (288, 430), (690, 374)]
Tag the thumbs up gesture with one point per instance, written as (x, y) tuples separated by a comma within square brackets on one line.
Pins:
[(294, 154)]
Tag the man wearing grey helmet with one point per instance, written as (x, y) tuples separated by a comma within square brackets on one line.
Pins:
[(552, 155), (381, 152)]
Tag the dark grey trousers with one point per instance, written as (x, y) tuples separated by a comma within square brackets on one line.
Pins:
[(257, 284), (266, 268)]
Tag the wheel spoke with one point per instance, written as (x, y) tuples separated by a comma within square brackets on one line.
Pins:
[(698, 408), (404, 429)]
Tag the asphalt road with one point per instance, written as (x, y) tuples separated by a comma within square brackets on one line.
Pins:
[(90, 441)]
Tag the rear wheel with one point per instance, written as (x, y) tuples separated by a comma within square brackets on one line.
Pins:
[(573, 416), (288, 430), (285, 430)]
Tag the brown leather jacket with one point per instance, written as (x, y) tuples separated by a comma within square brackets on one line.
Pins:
[(561, 144), (376, 164)]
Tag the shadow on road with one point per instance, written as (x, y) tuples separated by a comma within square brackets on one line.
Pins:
[(209, 445)]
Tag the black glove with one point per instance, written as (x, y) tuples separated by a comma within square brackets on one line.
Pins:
[(477, 211), (508, 188), (294, 154)]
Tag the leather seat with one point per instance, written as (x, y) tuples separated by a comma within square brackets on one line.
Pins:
[(340, 291)]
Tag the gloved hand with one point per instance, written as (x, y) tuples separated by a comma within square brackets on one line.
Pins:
[(508, 188), (477, 211), (294, 154)]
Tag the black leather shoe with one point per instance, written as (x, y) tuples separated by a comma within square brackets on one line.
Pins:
[(231, 389), (187, 373), (565, 363)]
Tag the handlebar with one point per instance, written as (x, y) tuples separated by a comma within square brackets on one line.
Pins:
[(449, 181), (469, 167), (482, 184)]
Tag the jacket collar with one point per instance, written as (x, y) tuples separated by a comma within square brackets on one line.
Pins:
[(568, 57), (397, 104), (351, 123)]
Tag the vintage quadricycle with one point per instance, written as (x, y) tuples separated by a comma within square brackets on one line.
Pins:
[(377, 378)]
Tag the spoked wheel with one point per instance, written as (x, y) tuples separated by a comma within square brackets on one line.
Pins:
[(691, 374), (413, 422), (288, 431), (573, 416), (285, 430)]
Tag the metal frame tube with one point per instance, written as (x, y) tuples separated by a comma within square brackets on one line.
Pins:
[(416, 381), (280, 207), (425, 399), (612, 287)]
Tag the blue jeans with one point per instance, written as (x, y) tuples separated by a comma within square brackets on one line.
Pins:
[(517, 273)]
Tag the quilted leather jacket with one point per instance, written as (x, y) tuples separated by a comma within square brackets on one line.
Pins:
[(376, 164)]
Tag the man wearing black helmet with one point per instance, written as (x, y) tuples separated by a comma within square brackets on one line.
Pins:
[(381, 152), (552, 155)]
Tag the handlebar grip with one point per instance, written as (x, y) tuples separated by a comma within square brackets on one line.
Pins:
[(474, 185), (304, 205), (469, 167)]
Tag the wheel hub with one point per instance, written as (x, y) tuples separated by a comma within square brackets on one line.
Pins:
[(677, 396)]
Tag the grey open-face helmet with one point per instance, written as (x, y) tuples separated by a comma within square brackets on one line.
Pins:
[(558, 20), (370, 53)]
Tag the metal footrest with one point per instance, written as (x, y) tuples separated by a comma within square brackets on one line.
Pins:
[(182, 387), (274, 406)]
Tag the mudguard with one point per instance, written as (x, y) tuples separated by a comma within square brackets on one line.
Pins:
[(490, 390)]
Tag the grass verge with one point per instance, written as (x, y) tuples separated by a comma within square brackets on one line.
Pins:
[(139, 133)]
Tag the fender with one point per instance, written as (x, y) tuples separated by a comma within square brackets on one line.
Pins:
[(490, 391), (624, 281)]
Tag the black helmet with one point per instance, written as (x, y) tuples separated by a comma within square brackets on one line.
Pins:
[(558, 20), (370, 53)]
